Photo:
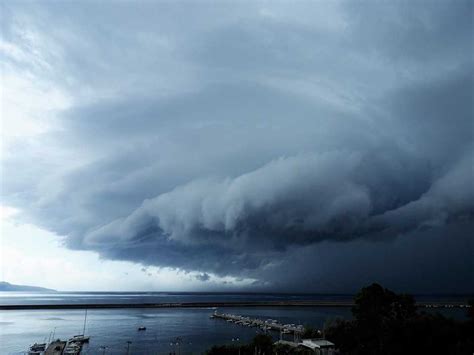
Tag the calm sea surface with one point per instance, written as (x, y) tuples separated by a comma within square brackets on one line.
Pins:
[(112, 328)]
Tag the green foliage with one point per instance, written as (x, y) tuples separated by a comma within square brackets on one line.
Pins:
[(310, 332), (388, 323), (283, 349), (224, 350), (261, 344), (343, 334), (470, 310), (376, 305)]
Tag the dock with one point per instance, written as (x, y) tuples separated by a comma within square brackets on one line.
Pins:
[(265, 325), (58, 347), (55, 347)]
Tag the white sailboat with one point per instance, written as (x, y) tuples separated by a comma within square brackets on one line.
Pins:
[(81, 338), (37, 349)]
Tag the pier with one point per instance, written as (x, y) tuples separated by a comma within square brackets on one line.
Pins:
[(72, 346), (55, 347), (265, 325)]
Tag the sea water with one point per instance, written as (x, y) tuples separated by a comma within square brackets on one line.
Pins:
[(168, 330)]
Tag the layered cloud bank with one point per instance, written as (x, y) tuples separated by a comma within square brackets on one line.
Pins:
[(253, 140), (299, 200)]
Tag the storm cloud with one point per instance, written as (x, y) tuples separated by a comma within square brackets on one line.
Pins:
[(257, 140)]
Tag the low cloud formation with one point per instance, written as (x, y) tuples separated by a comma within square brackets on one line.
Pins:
[(255, 141), (203, 277), (303, 199), (298, 200)]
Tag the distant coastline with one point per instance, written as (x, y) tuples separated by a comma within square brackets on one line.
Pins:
[(8, 287)]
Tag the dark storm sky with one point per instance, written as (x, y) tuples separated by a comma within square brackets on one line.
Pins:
[(312, 146)]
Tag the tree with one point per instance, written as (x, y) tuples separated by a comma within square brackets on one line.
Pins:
[(310, 332), (376, 305), (263, 344), (470, 310), (379, 314), (389, 323), (343, 334)]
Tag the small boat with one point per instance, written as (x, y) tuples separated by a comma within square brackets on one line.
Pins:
[(79, 339), (37, 349), (141, 328), (72, 348)]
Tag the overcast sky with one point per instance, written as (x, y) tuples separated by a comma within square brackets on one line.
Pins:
[(270, 146)]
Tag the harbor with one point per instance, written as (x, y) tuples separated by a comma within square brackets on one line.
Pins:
[(110, 330), (72, 346), (296, 330)]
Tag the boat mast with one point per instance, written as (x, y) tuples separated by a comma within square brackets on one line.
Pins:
[(84, 329)]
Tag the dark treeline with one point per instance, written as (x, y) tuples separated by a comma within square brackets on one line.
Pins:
[(389, 323), (385, 323)]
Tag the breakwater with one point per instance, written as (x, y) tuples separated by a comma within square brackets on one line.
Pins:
[(211, 305)]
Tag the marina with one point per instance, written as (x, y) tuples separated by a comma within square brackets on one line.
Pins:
[(265, 325), (73, 346)]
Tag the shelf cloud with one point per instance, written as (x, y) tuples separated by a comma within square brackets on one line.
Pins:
[(249, 140)]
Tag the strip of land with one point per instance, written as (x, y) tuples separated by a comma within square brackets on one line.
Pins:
[(210, 305)]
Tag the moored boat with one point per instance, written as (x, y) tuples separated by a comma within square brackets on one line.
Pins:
[(79, 339), (37, 348)]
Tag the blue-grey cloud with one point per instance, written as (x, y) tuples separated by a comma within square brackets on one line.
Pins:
[(202, 277), (241, 139)]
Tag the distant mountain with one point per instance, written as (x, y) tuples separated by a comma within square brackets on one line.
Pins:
[(5, 286)]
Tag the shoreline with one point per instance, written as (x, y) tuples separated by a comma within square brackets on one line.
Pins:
[(209, 305)]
